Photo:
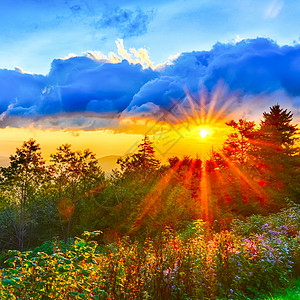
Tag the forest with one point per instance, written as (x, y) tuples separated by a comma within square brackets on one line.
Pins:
[(225, 227)]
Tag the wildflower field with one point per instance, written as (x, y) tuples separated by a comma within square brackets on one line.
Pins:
[(256, 257)]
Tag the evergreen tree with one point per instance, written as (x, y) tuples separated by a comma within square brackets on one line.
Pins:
[(142, 163), (277, 161), (277, 131), (147, 155)]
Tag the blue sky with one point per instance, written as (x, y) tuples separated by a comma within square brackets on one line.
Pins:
[(34, 32), (83, 64)]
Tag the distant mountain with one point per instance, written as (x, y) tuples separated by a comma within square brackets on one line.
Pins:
[(4, 161), (108, 163)]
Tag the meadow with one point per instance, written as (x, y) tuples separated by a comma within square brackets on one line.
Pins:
[(254, 258)]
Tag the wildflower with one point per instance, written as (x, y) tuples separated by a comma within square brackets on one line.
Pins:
[(166, 272), (274, 232), (285, 227), (265, 226), (237, 277)]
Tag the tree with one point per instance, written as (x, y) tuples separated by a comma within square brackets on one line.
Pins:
[(187, 172), (241, 142), (277, 131), (74, 174), (142, 163), (277, 154), (147, 154), (22, 181), (215, 162)]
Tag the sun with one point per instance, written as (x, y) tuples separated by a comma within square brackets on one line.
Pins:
[(203, 133)]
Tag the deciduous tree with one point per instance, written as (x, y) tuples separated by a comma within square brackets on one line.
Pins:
[(74, 174), (241, 141), (22, 181)]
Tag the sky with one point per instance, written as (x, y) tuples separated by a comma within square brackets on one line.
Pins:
[(102, 74)]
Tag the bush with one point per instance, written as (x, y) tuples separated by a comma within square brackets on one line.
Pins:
[(195, 264)]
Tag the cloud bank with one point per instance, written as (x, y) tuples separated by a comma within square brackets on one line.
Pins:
[(94, 91)]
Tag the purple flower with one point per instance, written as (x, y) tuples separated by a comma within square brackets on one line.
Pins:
[(274, 232), (266, 226), (285, 227)]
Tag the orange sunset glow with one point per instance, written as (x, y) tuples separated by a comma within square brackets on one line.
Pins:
[(190, 128)]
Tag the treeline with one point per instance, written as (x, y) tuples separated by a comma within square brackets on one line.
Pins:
[(39, 201), (254, 172), (258, 166)]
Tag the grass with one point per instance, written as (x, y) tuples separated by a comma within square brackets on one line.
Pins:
[(292, 293)]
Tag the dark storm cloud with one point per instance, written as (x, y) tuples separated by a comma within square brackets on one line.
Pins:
[(75, 85), (19, 92), (161, 91), (97, 88), (256, 66), (251, 66), (85, 85)]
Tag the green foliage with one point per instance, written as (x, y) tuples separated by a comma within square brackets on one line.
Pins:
[(288, 217), (277, 159), (195, 264), (74, 176), (154, 246), (286, 222), (290, 293), (142, 163), (40, 201), (21, 183), (278, 130)]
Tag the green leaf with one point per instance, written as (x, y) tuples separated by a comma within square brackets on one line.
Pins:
[(8, 282), (85, 273), (74, 294)]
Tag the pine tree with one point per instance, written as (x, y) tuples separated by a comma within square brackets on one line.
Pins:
[(277, 161), (277, 130), (142, 163), (147, 155)]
